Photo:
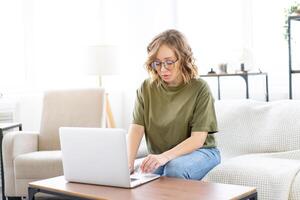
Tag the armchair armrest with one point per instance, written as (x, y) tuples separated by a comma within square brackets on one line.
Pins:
[(14, 144)]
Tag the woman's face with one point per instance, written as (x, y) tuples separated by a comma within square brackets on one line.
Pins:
[(166, 66)]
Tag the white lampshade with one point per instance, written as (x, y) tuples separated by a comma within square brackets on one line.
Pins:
[(103, 60)]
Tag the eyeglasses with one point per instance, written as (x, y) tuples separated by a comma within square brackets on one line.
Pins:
[(168, 64)]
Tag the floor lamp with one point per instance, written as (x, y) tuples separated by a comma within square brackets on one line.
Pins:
[(103, 60)]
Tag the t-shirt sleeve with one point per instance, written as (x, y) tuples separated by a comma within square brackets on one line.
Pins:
[(138, 111), (204, 116)]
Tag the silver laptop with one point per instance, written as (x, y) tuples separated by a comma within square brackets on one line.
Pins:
[(98, 156)]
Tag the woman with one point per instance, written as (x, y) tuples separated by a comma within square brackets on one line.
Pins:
[(175, 110)]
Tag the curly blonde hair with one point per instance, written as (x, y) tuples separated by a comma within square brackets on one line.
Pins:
[(176, 41)]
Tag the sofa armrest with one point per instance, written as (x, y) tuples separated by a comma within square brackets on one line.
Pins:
[(14, 144), (295, 194)]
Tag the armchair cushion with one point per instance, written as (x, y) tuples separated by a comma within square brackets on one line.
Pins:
[(35, 166), (38, 165)]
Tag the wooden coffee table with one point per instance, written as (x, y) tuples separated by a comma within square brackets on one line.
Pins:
[(162, 188)]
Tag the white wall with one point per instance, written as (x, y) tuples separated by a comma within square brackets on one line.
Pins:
[(224, 31)]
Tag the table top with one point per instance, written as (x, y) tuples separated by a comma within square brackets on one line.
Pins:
[(162, 188), (9, 125), (234, 74)]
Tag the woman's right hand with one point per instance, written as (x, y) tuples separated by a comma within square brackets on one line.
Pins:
[(135, 135), (152, 162)]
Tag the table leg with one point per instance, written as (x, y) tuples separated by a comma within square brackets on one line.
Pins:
[(1, 161), (250, 197), (290, 60), (1, 158), (32, 192), (254, 196), (247, 86), (267, 88), (219, 92), (245, 77)]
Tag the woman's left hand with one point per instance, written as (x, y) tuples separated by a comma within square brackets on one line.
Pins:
[(152, 162)]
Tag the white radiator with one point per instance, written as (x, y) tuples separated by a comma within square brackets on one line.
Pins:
[(7, 111)]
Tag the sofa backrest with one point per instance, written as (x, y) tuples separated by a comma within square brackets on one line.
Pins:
[(248, 126), (74, 108)]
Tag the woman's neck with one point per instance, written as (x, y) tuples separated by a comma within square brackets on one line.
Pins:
[(176, 82)]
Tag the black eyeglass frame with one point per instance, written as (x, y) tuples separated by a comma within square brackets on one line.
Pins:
[(166, 64)]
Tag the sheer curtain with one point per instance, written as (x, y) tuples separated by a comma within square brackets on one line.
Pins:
[(42, 41), (53, 36), (12, 46), (57, 33)]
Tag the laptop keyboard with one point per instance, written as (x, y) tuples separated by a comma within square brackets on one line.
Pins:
[(139, 176)]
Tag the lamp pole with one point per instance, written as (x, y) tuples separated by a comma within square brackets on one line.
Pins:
[(110, 121)]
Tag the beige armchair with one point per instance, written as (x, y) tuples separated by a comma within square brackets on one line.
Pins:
[(29, 156)]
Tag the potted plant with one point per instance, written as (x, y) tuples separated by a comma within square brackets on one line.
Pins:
[(292, 10)]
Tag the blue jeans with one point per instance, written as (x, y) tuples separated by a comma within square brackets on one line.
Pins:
[(194, 165)]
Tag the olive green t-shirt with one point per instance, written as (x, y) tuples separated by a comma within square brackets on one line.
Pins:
[(170, 114)]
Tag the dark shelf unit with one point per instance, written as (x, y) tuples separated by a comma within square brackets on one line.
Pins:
[(291, 70), (245, 77)]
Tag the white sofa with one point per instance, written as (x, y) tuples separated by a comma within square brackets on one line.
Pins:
[(260, 147)]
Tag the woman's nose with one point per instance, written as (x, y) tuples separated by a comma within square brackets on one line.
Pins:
[(164, 67)]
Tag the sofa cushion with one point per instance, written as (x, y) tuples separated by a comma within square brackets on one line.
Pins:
[(248, 126), (272, 177), (38, 165)]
